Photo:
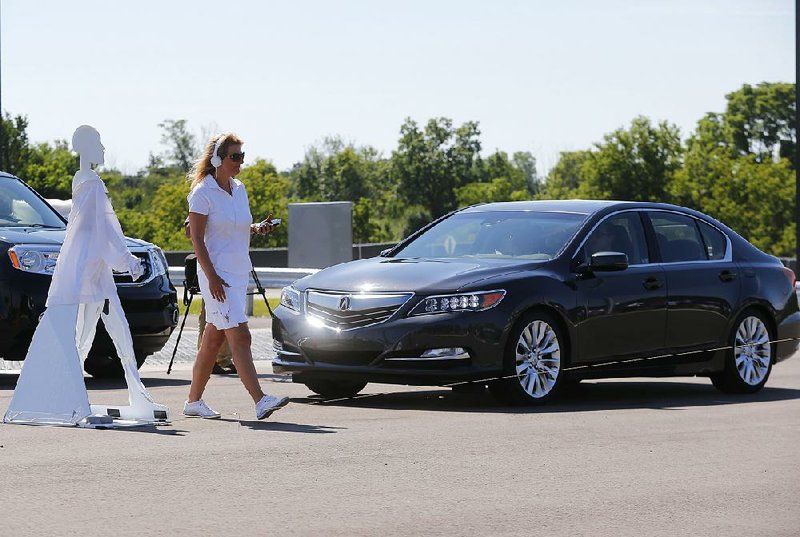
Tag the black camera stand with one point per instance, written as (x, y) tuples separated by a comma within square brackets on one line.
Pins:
[(193, 288)]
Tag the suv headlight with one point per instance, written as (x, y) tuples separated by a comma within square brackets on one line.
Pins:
[(39, 259), (292, 299), (158, 262), (478, 301)]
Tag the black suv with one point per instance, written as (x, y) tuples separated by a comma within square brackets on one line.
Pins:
[(31, 234)]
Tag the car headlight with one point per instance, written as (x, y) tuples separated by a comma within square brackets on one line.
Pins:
[(38, 259), (158, 262), (292, 299), (478, 301)]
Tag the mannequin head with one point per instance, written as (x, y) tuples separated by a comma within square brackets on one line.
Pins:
[(86, 142)]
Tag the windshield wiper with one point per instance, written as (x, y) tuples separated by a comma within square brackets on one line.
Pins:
[(47, 226)]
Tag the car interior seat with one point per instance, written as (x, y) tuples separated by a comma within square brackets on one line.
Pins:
[(682, 250), (621, 242)]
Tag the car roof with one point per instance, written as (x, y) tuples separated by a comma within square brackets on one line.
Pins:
[(7, 175), (585, 207)]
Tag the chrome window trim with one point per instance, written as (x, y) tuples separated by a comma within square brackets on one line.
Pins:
[(728, 244)]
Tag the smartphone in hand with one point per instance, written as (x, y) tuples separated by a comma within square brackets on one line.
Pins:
[(274, 222)]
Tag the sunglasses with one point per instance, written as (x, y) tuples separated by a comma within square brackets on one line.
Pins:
[(237, 157)]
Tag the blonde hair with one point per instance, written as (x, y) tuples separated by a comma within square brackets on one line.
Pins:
[(202, 165)]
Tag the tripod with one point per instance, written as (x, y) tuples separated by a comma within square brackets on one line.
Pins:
[(192, 288)]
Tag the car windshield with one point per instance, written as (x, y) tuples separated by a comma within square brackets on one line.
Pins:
[(19, 207), (498, 234)]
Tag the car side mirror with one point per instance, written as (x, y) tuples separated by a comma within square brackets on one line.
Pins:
[(608, 262)]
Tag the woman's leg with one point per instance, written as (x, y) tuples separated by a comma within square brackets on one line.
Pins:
[(204, 363), (240, 340)]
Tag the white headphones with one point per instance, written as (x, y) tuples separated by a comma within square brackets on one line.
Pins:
[(216, 161)]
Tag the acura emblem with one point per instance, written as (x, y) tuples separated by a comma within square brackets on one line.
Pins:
[(344, 303)]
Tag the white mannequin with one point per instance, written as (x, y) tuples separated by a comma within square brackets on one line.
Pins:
[(82, 287)]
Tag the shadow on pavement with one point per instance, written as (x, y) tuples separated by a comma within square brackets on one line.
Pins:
[(584, 397), (8, 381), (119, 384), (278, 426), (151, 429)]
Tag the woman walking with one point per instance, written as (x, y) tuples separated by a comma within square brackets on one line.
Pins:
[(221, 224)]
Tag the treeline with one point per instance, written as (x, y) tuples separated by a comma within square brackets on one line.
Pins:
[(737, 165)]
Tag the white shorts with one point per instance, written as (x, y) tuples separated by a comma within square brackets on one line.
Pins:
[(231, 312)]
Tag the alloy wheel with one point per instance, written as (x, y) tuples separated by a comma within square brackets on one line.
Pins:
[(538, 359), (752, 350)]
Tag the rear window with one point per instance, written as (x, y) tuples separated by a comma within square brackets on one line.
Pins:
[(715, 242), (678, 237)]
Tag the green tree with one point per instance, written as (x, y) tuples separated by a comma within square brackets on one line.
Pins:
[(268, 193), (430, 164), (307, 176), (754, 198), (566, 176), (760, 120), (50, 169), (633, 164), (181, 145), (14, 145)]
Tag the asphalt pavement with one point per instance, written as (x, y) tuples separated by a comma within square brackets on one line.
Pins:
[(634, 457)]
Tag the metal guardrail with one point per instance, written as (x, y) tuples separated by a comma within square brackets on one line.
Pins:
[(269, 277)]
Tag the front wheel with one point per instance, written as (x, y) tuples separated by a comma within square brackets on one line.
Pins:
[(533, 363), (749, 362), (103, 366), (335, 389)]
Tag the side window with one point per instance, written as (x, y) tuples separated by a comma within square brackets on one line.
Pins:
[(620, 233), (678, 237), (716, 244)]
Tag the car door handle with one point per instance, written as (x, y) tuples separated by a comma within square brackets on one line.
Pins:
[(727, 275), (652, 283)]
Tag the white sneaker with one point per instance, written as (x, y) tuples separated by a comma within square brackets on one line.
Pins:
[(199, 409), (269, 404)]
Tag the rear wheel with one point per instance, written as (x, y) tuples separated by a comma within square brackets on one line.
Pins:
[(749, 362), (103, 366), (335, 389), (533, 363)]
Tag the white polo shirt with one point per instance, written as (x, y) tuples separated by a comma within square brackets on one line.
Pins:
[(227, 235)]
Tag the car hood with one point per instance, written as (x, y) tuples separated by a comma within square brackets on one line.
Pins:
[(33, 235), (380, 274)]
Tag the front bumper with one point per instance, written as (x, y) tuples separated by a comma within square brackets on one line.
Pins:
[(391, 351), (151, 311), (788, 337)]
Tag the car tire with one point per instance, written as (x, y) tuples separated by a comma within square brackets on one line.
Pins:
[(535, 357), (103, 366), (747, 368), (335, 389)]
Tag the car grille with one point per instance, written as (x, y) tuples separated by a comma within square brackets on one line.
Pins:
[(346, 311), (125, 278)]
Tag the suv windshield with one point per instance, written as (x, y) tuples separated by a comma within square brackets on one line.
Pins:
[(497, 234), (20, 207)]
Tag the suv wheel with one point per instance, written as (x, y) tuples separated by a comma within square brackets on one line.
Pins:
[(103, 366)]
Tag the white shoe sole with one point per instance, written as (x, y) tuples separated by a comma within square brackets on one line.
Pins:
[(216, 417), (270, 410)]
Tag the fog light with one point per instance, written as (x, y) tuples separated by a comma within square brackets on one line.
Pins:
[(447, 353)]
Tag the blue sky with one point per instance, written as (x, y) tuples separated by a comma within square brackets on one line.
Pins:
[(539, 76)]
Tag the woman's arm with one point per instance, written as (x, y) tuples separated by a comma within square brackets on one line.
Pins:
[(197, 224)]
